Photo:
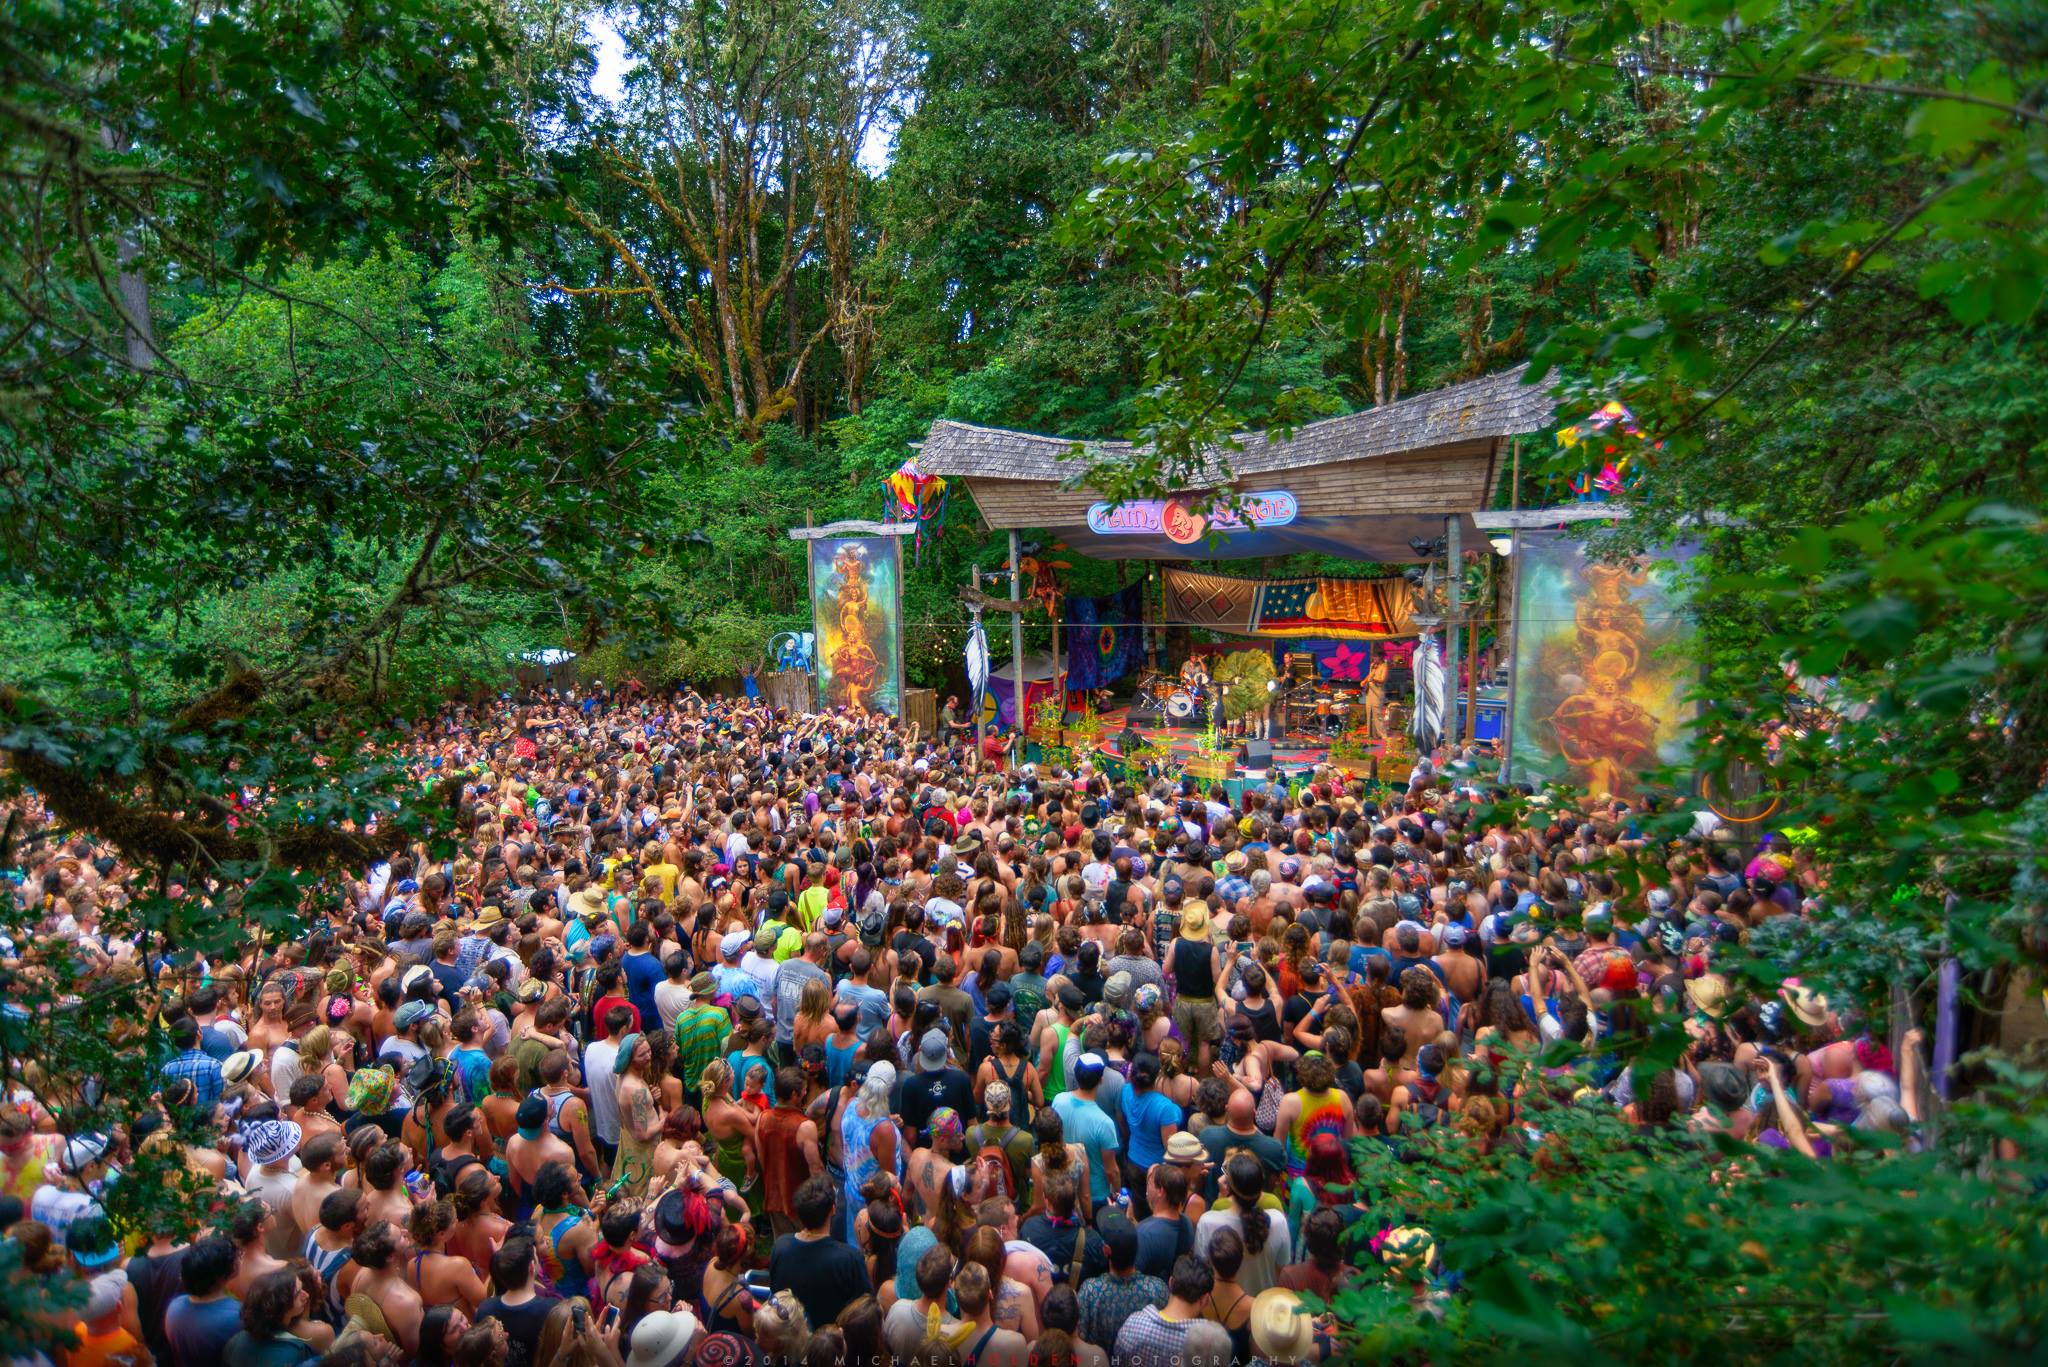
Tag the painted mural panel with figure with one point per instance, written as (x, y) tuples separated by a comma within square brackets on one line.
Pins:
[(1603, 666), (856, 601)]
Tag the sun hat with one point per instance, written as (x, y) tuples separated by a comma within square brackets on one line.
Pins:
[(703, 986), (419, 975), (490, 916), (1408, 1248), (238, 1066), (370, 1090), (532, 990), (1707, 993), (1185, 1148), (81, 1152), (1810, 1006), (270, 1141), (663, 1339), (1282, 1329), (1194, 921)]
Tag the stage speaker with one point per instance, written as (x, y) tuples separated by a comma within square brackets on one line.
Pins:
[(1256, 754)]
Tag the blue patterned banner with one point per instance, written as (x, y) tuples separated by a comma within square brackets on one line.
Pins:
[(1104, 641)]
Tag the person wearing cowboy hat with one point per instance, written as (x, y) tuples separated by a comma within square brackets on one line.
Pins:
[(1283, 1330)]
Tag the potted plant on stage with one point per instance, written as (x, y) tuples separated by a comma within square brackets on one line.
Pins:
[(1214, 759)]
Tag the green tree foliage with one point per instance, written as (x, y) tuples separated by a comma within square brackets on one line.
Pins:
[(1805, 245)]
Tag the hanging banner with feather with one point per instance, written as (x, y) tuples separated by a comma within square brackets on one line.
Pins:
[(977, 657), (1104, 641)]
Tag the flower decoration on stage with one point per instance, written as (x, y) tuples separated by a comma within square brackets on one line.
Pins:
[(1346, 663), (1613, 435), (911, 495)]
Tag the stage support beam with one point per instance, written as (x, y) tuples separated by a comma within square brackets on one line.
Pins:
[(1017, 648), (1454, 622)]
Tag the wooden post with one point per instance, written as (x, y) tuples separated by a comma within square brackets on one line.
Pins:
[(1017, 648), (1454, 589), (1472, 662), (1513, 599)]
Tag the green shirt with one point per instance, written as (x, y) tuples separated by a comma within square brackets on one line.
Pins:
[(701, 1029)]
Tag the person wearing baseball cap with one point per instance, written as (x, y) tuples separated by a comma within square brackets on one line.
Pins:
[(932, 1082), (1086, 1123)]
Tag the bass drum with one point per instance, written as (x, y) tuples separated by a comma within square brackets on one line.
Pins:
[(1180, 706)]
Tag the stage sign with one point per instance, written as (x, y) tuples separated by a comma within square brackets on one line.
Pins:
[(1182, 521), (856, 602), (1603, 663)]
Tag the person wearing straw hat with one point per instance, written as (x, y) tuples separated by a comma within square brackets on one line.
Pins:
[(1282, 1329), (1196, 964)]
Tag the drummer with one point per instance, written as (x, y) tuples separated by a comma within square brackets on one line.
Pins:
[(1193, 676)]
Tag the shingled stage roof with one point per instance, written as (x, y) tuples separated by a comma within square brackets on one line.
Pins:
[(1491, 407)]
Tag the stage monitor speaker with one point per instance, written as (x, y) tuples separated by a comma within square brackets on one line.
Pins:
[(1256, 754)]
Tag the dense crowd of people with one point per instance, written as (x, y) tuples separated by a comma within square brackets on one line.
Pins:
[(727, 1037)]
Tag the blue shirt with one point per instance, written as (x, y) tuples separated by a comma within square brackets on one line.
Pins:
[(1088, 1125), (873, 1004), (643, 975), (1144, 1113), (199, 1333)]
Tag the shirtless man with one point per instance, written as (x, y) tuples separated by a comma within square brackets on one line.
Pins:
[(384, 1195), (319, 1165), (384, 1255), (1463, 972), (1416, 1016)]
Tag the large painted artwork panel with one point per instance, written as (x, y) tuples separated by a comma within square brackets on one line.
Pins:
[(1602, 665), (856, 601)]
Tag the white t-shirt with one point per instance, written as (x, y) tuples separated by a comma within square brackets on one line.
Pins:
[(1261, 1270), (670, 999), (604, 1089)]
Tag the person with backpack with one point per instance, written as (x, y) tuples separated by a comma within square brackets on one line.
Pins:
[(1002, 1149)]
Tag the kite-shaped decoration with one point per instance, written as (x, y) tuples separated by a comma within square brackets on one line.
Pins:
[(911, 495), (1609, 433)]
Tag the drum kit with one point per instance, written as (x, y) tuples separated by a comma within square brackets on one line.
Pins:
[(1178, 703)]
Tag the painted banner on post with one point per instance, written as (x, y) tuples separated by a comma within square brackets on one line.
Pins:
[(856, 601), (1603, 664)]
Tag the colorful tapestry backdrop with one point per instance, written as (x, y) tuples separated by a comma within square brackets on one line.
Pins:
[(1104, 638), (1602, 667), (856, 601)]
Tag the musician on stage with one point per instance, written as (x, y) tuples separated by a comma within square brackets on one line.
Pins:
[(1193, 676)]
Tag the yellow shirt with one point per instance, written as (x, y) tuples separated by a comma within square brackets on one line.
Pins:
[(668, 875)]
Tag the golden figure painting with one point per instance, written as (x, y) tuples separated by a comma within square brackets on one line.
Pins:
[(1603, 667), (855, 602)]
